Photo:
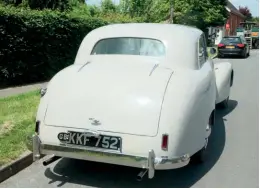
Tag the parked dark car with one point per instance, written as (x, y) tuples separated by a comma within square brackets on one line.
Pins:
[(233, 45)]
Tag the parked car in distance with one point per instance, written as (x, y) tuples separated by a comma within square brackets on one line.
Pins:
[(233, 45), (138, 95)]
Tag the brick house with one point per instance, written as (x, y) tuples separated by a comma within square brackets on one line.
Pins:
[(234, 19)]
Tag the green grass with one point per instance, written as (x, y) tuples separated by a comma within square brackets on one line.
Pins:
[(17, 121)]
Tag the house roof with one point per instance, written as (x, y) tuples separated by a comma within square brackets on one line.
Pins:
[(233, 9)]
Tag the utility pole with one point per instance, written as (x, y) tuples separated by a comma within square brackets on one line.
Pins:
[(171, 10)]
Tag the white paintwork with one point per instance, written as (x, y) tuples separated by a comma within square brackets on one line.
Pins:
[(223, 71), (174, 37), (133, 100)]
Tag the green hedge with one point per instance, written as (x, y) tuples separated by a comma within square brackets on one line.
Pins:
[(34, 45)]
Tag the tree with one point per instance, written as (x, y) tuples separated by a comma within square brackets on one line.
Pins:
[(246, 12), (255, 19), (137, 8), (45, 4), (94, 10), (107, 6), (13, 2), (49, 4), (201, 14)]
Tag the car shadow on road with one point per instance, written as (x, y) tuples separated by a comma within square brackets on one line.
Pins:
[(103, 175)]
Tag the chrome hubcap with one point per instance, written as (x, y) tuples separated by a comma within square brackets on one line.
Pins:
[(208, 130), (206, 143)]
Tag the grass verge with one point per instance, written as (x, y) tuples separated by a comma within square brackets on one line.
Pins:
[(17, 121)]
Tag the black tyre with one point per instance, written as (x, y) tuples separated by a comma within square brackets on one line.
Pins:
[(244, 54), (224, 104)]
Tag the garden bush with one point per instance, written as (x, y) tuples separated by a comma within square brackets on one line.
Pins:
[(35, 45)]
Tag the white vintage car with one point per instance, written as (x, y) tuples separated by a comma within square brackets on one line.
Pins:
[(138, 95)]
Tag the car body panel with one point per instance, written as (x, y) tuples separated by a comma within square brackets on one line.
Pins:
[(223, 72), (183, 37), (106, 92), (138, 98)]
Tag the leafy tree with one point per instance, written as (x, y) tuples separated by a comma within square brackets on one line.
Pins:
[(191, 12), (46, 4), (107, 6), (246, 12), (13, 2), (255, 19), (137, 8), (49, 4), (94, 10)]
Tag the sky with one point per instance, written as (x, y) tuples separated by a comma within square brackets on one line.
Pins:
[(253, 5)]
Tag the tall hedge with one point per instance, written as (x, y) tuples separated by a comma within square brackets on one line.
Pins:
[(34, 45)]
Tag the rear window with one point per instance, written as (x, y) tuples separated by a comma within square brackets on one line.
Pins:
[(228, 40), (129, 46)]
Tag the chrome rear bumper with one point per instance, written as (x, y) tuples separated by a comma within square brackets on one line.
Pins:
[(151, 162)]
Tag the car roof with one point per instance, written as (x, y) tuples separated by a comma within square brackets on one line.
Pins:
[(148, 30), (180, 40)]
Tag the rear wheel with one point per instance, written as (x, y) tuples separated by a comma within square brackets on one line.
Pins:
[(201, 156), (244, 54), (224, 103)]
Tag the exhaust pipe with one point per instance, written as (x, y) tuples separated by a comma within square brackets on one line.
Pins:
[(50, 160), (141, 175)]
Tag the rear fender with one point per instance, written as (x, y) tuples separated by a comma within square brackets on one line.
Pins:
[(224, 80)]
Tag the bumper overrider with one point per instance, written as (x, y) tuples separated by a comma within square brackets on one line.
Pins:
[(148, 164)]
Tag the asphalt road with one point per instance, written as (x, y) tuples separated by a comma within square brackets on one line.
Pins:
[(233, 156)]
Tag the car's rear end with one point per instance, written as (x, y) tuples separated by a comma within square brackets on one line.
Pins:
[(102, 113), (232, 45), (108, 109)]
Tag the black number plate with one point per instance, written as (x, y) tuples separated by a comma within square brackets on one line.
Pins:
[(83, 139)]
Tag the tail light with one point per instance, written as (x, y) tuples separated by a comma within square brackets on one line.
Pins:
[(165, 142), (221, 45), (240, 45)]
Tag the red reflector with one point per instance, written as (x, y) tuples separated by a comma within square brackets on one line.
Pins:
[(221, 45), (240, 45), (165, 142)]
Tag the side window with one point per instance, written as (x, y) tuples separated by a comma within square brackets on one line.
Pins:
[(205, 47), (202, 51)]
